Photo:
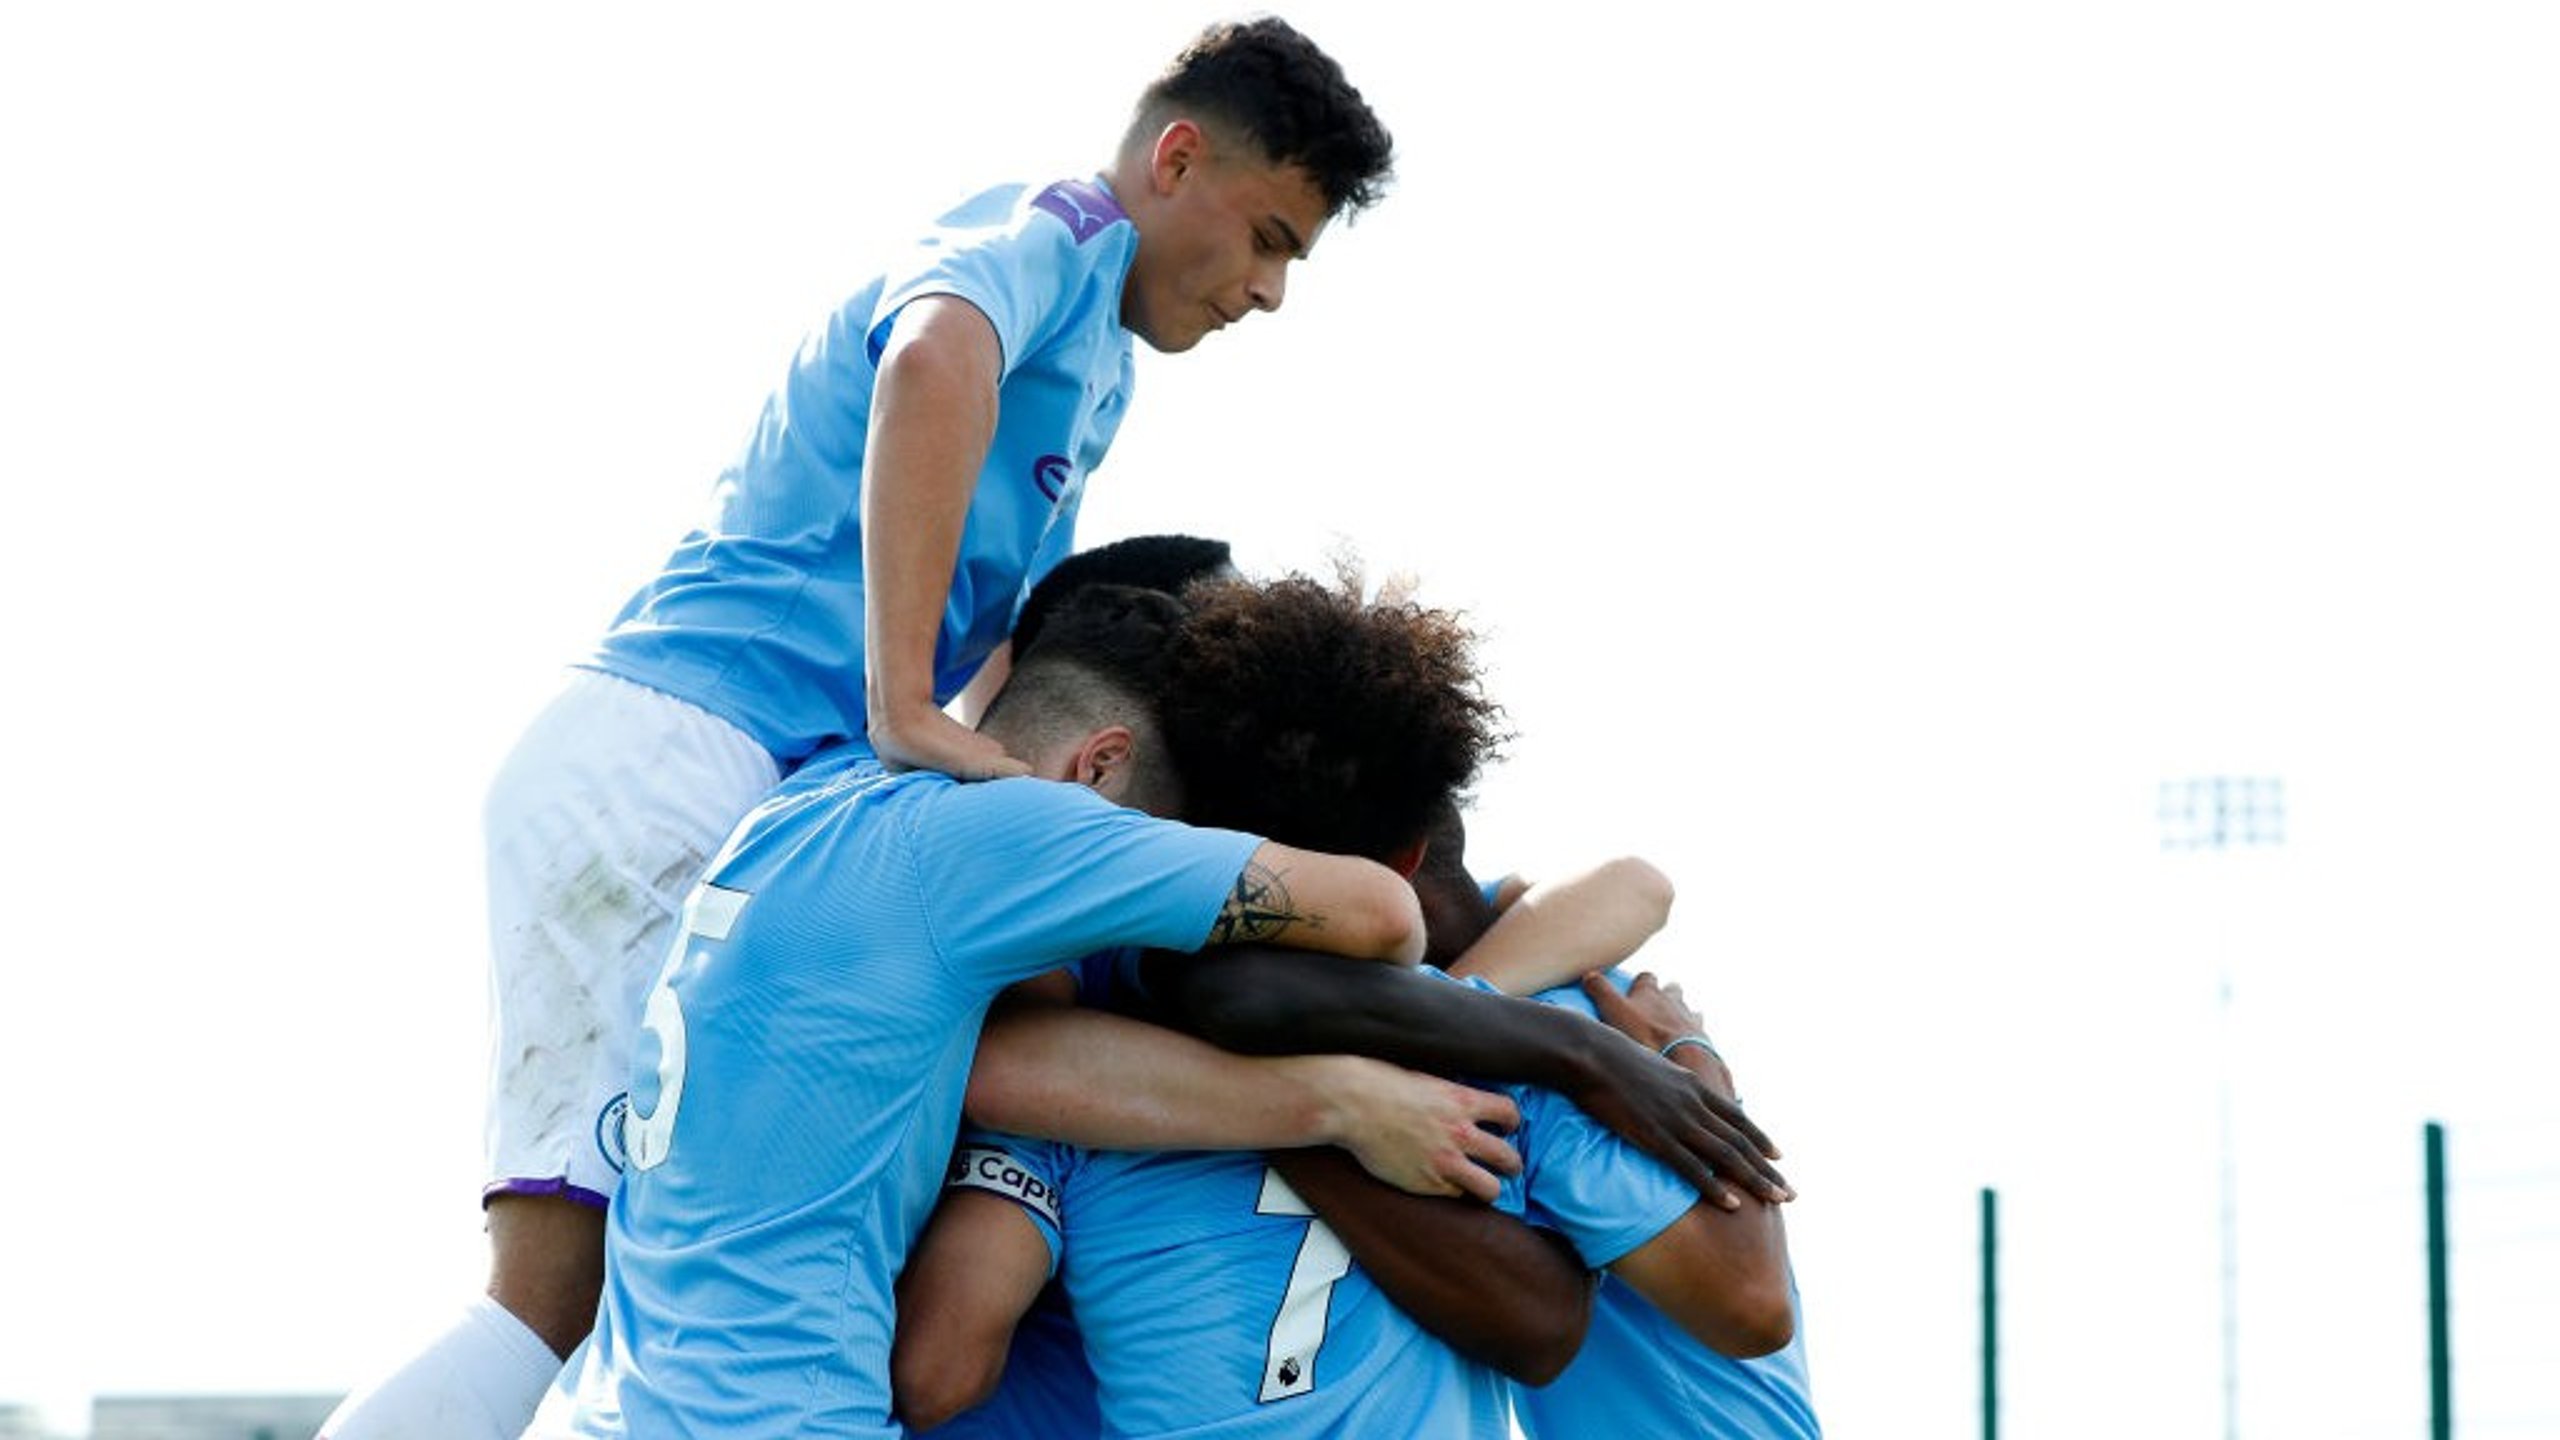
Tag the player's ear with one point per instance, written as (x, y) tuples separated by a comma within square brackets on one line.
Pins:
[(1180, 149), (1105, 759), (1407, 859)]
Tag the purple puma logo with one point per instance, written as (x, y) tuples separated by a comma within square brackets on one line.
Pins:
[(1086, 207)]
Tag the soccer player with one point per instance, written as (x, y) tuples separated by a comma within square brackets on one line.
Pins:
[(1496, 1290), (923, 460), (806, 1049), (1107, 1081), (1098, 1079), (1212, 1301), (1137, 1086), (1166, 1256), (1638, 1375)]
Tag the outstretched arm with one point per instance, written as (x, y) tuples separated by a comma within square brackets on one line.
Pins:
[(1310, 900), (1109, 1082), (1498, 1290), (1560, 930), (1515, 1298), (1266, 1001), (1100, 1081)]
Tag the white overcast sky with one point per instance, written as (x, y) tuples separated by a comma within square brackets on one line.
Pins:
[(1880, 443)]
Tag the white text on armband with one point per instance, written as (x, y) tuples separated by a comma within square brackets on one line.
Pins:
[(977, 1167)]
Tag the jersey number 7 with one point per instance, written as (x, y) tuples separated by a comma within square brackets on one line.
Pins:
[(1297, 1331)]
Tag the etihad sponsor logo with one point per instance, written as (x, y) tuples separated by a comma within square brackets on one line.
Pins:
[(1051, 473)]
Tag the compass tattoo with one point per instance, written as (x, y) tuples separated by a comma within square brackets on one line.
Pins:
[(1258, 909)]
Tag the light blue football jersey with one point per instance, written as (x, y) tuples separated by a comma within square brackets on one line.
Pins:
[(758, 616), (1639, 1376), (1214, 1303), (801, 1065)]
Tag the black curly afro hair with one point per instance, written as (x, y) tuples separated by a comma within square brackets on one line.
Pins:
[(1299, 711)]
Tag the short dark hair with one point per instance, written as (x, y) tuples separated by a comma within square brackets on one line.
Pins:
[(1150, 562), (1100, 659), (1300, 712), (1262, 79)]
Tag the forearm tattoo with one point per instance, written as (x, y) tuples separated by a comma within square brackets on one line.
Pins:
[(1259, 908)]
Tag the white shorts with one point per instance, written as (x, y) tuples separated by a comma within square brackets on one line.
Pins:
[(598, 823)]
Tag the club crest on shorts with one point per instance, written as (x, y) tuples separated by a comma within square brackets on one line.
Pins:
[(609, 1123)]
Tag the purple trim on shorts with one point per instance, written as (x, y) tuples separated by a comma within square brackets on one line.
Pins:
[(554, 1186)]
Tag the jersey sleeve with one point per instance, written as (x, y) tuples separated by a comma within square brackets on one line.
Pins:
[(1025, 875), (1582, 1180), (1030, 263)]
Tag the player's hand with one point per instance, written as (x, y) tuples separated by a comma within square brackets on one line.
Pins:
[(1423, 1134), (926, 738), (1653, 1014), (1660, 1108)]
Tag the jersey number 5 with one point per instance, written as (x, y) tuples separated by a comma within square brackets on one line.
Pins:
[(710, 912), (1297, 1332)]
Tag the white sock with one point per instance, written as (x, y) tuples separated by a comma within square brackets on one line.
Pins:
[(479, 1380)]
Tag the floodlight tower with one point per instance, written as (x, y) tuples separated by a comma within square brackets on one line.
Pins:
[(2218, 813)]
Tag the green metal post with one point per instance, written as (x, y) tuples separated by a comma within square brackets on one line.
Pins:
[(1990, 1314), (2439, 1308)]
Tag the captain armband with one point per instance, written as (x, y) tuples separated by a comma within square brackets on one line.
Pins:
[(981, 1167)]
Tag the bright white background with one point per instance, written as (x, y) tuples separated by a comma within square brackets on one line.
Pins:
[(1880, 444)]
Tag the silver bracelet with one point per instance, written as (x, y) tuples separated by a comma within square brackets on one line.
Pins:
[(1701, 1041)]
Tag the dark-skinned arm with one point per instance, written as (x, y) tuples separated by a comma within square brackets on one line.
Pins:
[(1498, 1290), (1263, 1001)]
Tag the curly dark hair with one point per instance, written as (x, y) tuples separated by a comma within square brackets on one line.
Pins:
[(1264, 80), (1300, 712)]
